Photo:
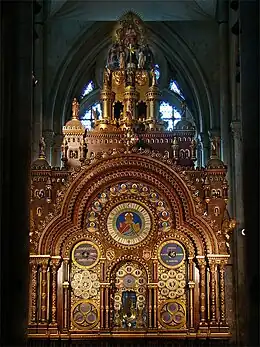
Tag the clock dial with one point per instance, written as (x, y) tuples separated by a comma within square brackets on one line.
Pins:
[(129, 223), (85, 254), (171, 254)]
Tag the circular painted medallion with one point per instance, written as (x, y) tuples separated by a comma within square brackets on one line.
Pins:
[(129, 223), (171, 254), (85, 254)]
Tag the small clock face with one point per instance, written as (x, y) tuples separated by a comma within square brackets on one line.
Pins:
[(129, 223), (171, 254), (85, 254)]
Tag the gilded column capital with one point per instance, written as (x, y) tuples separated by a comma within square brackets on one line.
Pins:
[(55, 262), (201, 261)]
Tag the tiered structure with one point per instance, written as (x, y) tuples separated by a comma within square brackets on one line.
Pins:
[(128, 238)]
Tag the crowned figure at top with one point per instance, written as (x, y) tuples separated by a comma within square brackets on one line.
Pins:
[(130, 46)]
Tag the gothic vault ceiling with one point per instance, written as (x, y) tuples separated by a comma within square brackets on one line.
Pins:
[(149, 10)]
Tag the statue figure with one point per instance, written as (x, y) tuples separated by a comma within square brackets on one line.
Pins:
[(122, 60), (153, 74), (75, 109), (141, 59), (131, 78), (106, 78), (42, 146), (214, 145)]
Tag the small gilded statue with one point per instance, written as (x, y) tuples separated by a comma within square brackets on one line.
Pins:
[(75, 109), (42, 147), (154, 79), (122, 60), (106, 78)]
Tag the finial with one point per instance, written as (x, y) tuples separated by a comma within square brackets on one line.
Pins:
[(75, 109), (42, 146)]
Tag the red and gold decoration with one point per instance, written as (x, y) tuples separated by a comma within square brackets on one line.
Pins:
[(128, 237)]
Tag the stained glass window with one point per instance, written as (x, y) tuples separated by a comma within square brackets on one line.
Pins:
[(88, 88), (175, 88), (170, 114), (88, 118), (157, 71)]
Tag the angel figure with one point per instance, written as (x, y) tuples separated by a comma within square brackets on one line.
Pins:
[(141, 59)]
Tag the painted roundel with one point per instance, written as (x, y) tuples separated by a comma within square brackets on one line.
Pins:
[(129, 223), (171, 254), (85, 254)]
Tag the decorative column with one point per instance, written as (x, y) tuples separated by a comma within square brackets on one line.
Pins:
[(203, 285), (43, 284), (48, 137), (55, 263), (107, 97), (191, 285), (222, 322), (107, 290), (150, 306), (102, 305), (65, 294), (131, 96), (153, 97), (212, 295), (33, 292)]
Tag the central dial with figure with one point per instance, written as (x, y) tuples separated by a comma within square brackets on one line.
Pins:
[(129, 223)]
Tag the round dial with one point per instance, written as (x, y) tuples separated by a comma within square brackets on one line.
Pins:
[(129, 223), (171, 254), (85, 254)]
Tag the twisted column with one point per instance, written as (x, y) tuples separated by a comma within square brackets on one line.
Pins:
[(212, 267), (44, 267), (202, 271), (33, 293), (222, 308), (55, 263)]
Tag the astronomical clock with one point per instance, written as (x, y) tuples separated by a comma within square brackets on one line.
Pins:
[(128, 238)]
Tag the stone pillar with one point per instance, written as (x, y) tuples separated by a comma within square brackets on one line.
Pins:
[(16, 59), (249, 80), (225, 110), (238, 244), (56, 158), (48, 137), (205, 144)]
